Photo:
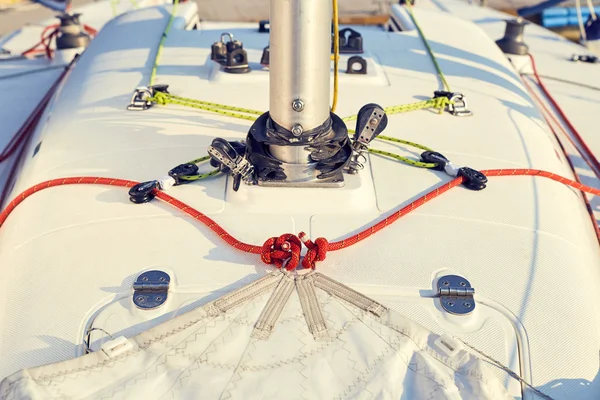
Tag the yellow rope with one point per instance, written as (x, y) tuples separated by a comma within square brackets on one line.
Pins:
[(199, 176), (428, 47), (162, 42), (230, 111), (113, 7), (403, 159), (439, 103), (336, 54)]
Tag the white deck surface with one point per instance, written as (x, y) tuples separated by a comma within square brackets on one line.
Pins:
[(69, 251)]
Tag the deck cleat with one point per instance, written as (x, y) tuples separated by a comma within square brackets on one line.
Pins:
[(143, 192), (459, 107), (473, 179), (183, 170), (142, 97)]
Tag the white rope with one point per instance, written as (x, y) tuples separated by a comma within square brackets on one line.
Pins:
[(580, 21), (591, 8), (509, 371)]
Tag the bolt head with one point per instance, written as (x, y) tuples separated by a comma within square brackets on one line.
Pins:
[(373, 121), (297, 105), (297, 130)]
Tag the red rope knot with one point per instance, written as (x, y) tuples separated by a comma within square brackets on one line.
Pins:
[(317, 251), (278, 250)]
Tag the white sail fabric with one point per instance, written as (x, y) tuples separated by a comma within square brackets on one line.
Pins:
[(281, 337)]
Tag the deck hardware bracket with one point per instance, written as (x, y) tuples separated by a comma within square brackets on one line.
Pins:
[(351, 42), (459, 108), (584, 58), (472, 179), (150, 289), (230, 158), (183, 170), (354, 61), (141, 99), (456, 294), (371, 120), (266, 57), (230, 54), (433, 157), (143, 192), (264, 26)]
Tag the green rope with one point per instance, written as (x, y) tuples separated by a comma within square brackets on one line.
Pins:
[(199, 176), (406, 142), (400, 158), (199, 160), (113, 7), (405, 160), (428, 47), (230, 111), (438, 103), (161, 44)]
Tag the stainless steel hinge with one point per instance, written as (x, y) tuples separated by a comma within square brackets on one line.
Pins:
[(150, 289), (456, 294)]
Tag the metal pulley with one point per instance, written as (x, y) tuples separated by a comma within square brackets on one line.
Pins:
[(371, 120), (230, 158)]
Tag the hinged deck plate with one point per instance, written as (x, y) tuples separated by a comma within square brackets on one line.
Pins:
[(456, 294), (150, 289)]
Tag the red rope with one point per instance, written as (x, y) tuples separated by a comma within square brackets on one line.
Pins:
[(23, 134), (589, 154), (46, 40), (89, 30), (547, 113), (286, 248)]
